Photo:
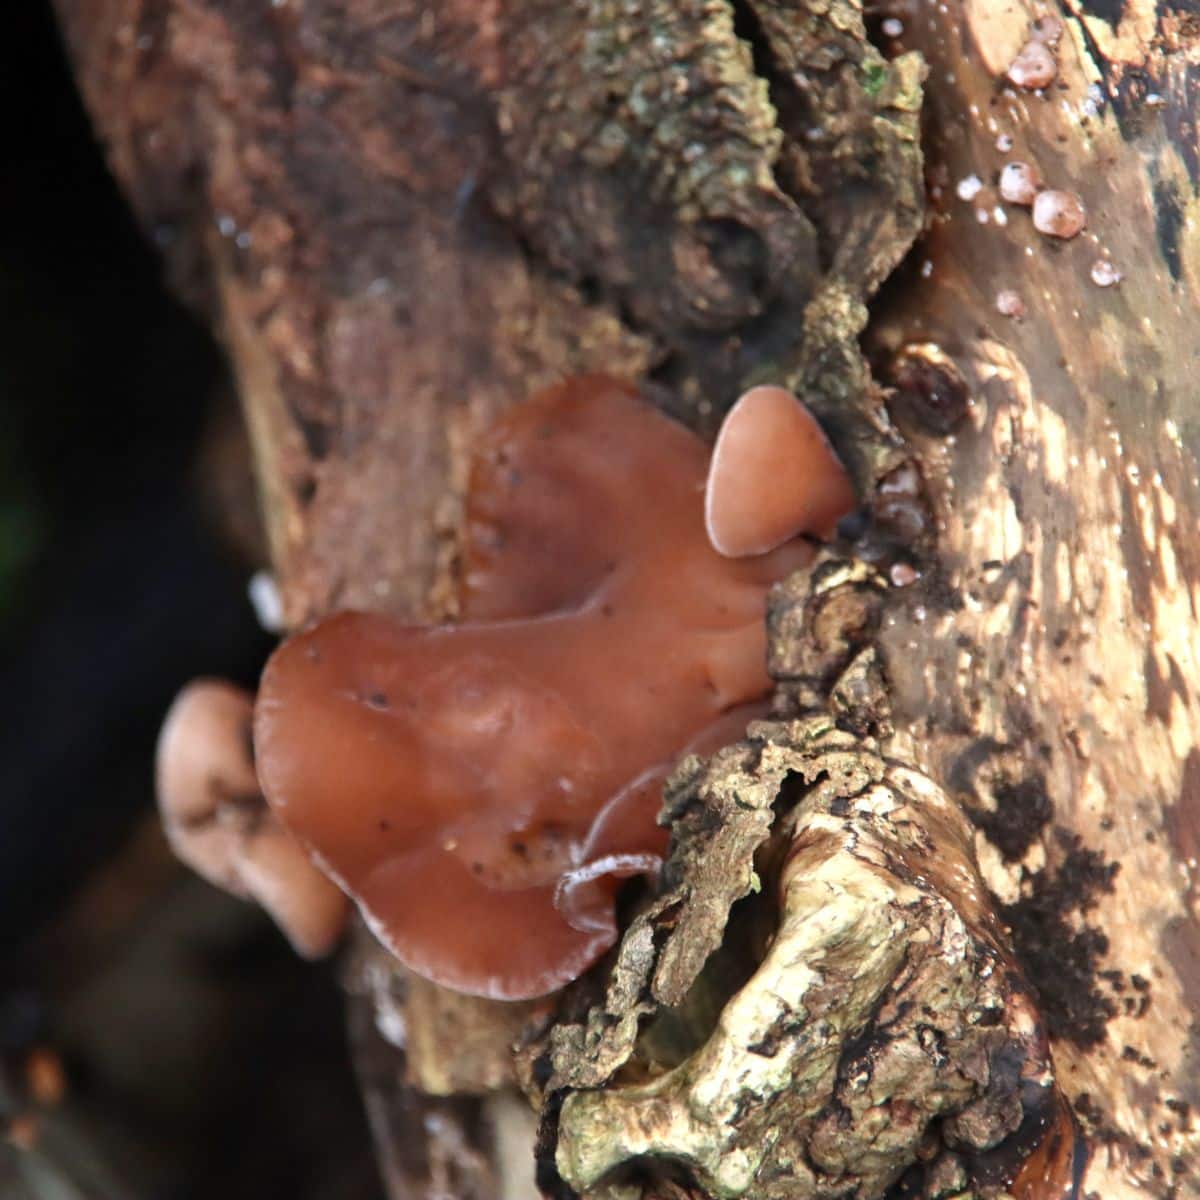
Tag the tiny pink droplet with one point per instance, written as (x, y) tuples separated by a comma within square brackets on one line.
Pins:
[(1048, 29), (1009, 304), (1059, 214), (1034, 67), (1019, 183)]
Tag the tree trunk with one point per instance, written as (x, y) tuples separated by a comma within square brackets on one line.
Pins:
[(1050, 673), (403, 218)]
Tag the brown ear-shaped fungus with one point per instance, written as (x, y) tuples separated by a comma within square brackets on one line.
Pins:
[(773, 476), (217, 823), (480, 789)]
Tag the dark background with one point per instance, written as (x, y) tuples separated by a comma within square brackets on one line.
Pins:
[(156, 1038)]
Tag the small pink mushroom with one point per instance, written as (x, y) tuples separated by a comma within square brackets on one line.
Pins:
[(1010, 304), (1034, 67), (773, 475), (217, 822), (1059, 214), (1019, 183)]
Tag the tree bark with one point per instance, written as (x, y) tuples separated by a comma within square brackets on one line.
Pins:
[(402, 218), (1052, 680)]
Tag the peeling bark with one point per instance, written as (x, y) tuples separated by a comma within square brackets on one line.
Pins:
[(885, 1029), (404, 217), (877, 1009)]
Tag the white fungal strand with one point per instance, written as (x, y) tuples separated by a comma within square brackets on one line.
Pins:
[(1019, 183), (1034, 67), (266, 601), (1059, 214), (1104, 274)]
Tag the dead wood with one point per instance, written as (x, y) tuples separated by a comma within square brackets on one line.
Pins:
[(404, 217)]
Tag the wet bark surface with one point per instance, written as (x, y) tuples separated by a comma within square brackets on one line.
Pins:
[(402, 218), (1051, 681)]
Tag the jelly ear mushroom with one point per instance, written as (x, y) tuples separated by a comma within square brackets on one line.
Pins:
[(482, 790), (217, 822), (773, 476)]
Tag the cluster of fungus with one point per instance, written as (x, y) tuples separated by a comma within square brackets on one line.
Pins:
[(482, 789), (1056, 213)]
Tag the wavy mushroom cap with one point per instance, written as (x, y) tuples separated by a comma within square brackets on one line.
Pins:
[(481, 789)]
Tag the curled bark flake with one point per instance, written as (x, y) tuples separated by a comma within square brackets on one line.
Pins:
[(818, 623), (885, 1022), (720, 818), (885, 1013)]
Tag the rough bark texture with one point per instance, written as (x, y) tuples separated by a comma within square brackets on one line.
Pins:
[(1046, 670), (403, 217)]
